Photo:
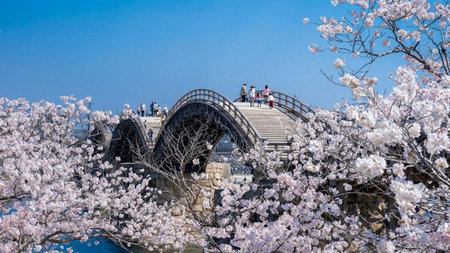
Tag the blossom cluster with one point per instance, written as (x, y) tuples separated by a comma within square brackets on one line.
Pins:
[(56, 186), (417, 29)]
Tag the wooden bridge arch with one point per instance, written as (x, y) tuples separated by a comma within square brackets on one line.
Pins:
[(246, 125)]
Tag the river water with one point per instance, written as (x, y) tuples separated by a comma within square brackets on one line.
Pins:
[(105, 246)]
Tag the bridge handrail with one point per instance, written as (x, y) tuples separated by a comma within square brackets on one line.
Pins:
[(288, 102), (141, 131), (216, 98), (138, 122)]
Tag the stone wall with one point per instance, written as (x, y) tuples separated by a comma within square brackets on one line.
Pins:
[(202, 195)]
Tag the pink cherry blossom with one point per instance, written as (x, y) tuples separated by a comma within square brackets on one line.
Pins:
[(338, 63)]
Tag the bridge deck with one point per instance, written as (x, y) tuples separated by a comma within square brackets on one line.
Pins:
[(271, 124), (153, 123)]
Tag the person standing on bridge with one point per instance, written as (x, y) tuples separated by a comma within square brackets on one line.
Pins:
[(243, 92), (259, 98), (152, 109), (252, 95), (271, 100), (166, 111), (155, 109), (138, 110), (160, 112), (143, 109), (266, 93)]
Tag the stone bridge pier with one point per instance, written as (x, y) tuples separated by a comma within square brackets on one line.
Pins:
[(201, 204)]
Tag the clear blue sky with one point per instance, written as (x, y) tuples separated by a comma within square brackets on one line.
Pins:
[(121, 52)]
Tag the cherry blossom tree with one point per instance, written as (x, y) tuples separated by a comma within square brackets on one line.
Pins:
[(56, 188), (417, 30), (367, 176)]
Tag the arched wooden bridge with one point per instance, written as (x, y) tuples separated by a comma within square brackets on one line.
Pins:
[(213, 115)]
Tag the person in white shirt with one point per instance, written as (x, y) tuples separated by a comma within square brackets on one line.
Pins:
[(138, 110), (252, 95), (271, 100), (266, 93), (155, 108), (143, 109), (166, 111)]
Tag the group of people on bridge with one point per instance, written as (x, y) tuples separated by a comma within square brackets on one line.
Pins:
[(154, 110), (252, 96)]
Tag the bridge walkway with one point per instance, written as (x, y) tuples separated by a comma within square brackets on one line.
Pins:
[(153, 123), (271, 124)]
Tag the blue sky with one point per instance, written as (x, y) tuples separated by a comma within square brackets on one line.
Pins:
[(121, 52)]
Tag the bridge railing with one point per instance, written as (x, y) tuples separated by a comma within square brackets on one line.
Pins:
[(289, 103), (206, 95)]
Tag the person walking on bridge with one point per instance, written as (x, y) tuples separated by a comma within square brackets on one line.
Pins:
[(166, 111), (252, 95), (150, 134), (266, 94), (243, 92), (271, 100)]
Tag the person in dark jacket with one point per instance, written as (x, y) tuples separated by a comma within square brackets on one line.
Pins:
[(152, 109), (150, 134)]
